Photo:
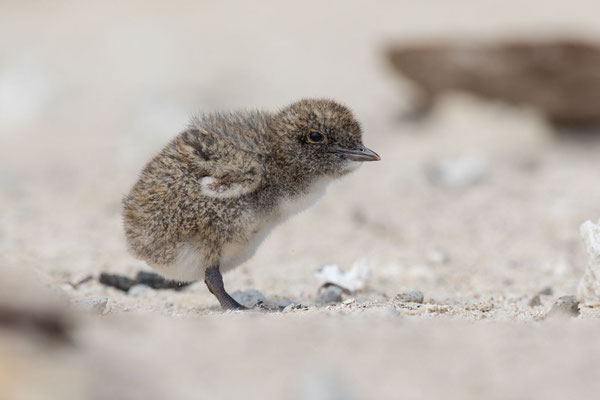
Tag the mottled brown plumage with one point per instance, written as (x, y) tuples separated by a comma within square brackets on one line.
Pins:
[(207, 200)]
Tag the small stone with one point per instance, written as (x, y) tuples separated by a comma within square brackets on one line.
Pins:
[(415, 296), (95, 304), (120, 282), (565, 306), (288, 308), (249, 298), (139, 290), (547, 291), (535, 301), (330, 295), (348, 302)]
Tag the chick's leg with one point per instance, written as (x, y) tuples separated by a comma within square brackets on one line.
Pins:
[(214, 282)]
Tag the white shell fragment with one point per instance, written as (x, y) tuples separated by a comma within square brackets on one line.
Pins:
[(589, 287), (353, 279)]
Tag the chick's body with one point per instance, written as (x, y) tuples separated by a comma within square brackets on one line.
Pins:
[(210, 197)]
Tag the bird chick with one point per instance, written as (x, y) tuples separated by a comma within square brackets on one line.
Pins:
[(204, 204)]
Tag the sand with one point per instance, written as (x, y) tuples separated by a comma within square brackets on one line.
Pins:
[(89, 92)]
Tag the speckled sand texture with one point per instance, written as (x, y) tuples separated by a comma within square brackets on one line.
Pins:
[(88, 92)]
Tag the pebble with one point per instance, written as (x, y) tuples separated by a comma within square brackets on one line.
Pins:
[(547, 291), (535, 301), (330, 295), (94, 304), (140, 290), (565, 306), (288, 308), (414, 296), (249, 297)]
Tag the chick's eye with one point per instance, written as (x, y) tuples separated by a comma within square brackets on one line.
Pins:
[(315, 137)]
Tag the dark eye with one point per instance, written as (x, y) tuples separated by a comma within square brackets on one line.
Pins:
[(315, 137)]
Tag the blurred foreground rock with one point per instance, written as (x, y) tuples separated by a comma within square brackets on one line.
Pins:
[(30, 306), (36, 339), (560, 78), (589, 287)]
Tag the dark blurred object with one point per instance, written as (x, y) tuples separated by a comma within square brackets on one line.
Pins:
[(33, 308), (48, 321), (150, 279), (561, 78), (120, 282)]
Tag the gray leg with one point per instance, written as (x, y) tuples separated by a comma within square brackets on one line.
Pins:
[(214, 282)]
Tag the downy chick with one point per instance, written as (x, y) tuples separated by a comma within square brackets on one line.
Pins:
[(204, 204)]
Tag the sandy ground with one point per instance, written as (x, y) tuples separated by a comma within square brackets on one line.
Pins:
[(89, 92)]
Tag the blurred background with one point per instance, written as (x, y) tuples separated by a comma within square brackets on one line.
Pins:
[(476, 203)]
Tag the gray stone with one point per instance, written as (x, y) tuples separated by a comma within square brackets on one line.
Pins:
[(547, 291), (288, 308), (330, 295), (249, 297), (535, 301), (414, 296), (565, 306)]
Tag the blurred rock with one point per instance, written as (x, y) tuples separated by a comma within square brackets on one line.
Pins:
[(156, 281), (288, 308), (149, 279), (414, 296), (120, 282), (458, 172), (331, 294), (547, 291), (139, 290), (249, 297), (535, 301), (588, 291), (33, 309), (561, 78), (354, 279), (565, 306)]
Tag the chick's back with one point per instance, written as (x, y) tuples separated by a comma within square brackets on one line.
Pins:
[(200, 186)]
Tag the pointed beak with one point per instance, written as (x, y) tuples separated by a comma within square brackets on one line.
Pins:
[(359, 153)]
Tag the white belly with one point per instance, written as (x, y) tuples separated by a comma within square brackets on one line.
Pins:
[(189, 266), (235, 254)]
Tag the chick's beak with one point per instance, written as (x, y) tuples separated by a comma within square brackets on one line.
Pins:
[(359, 153)]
